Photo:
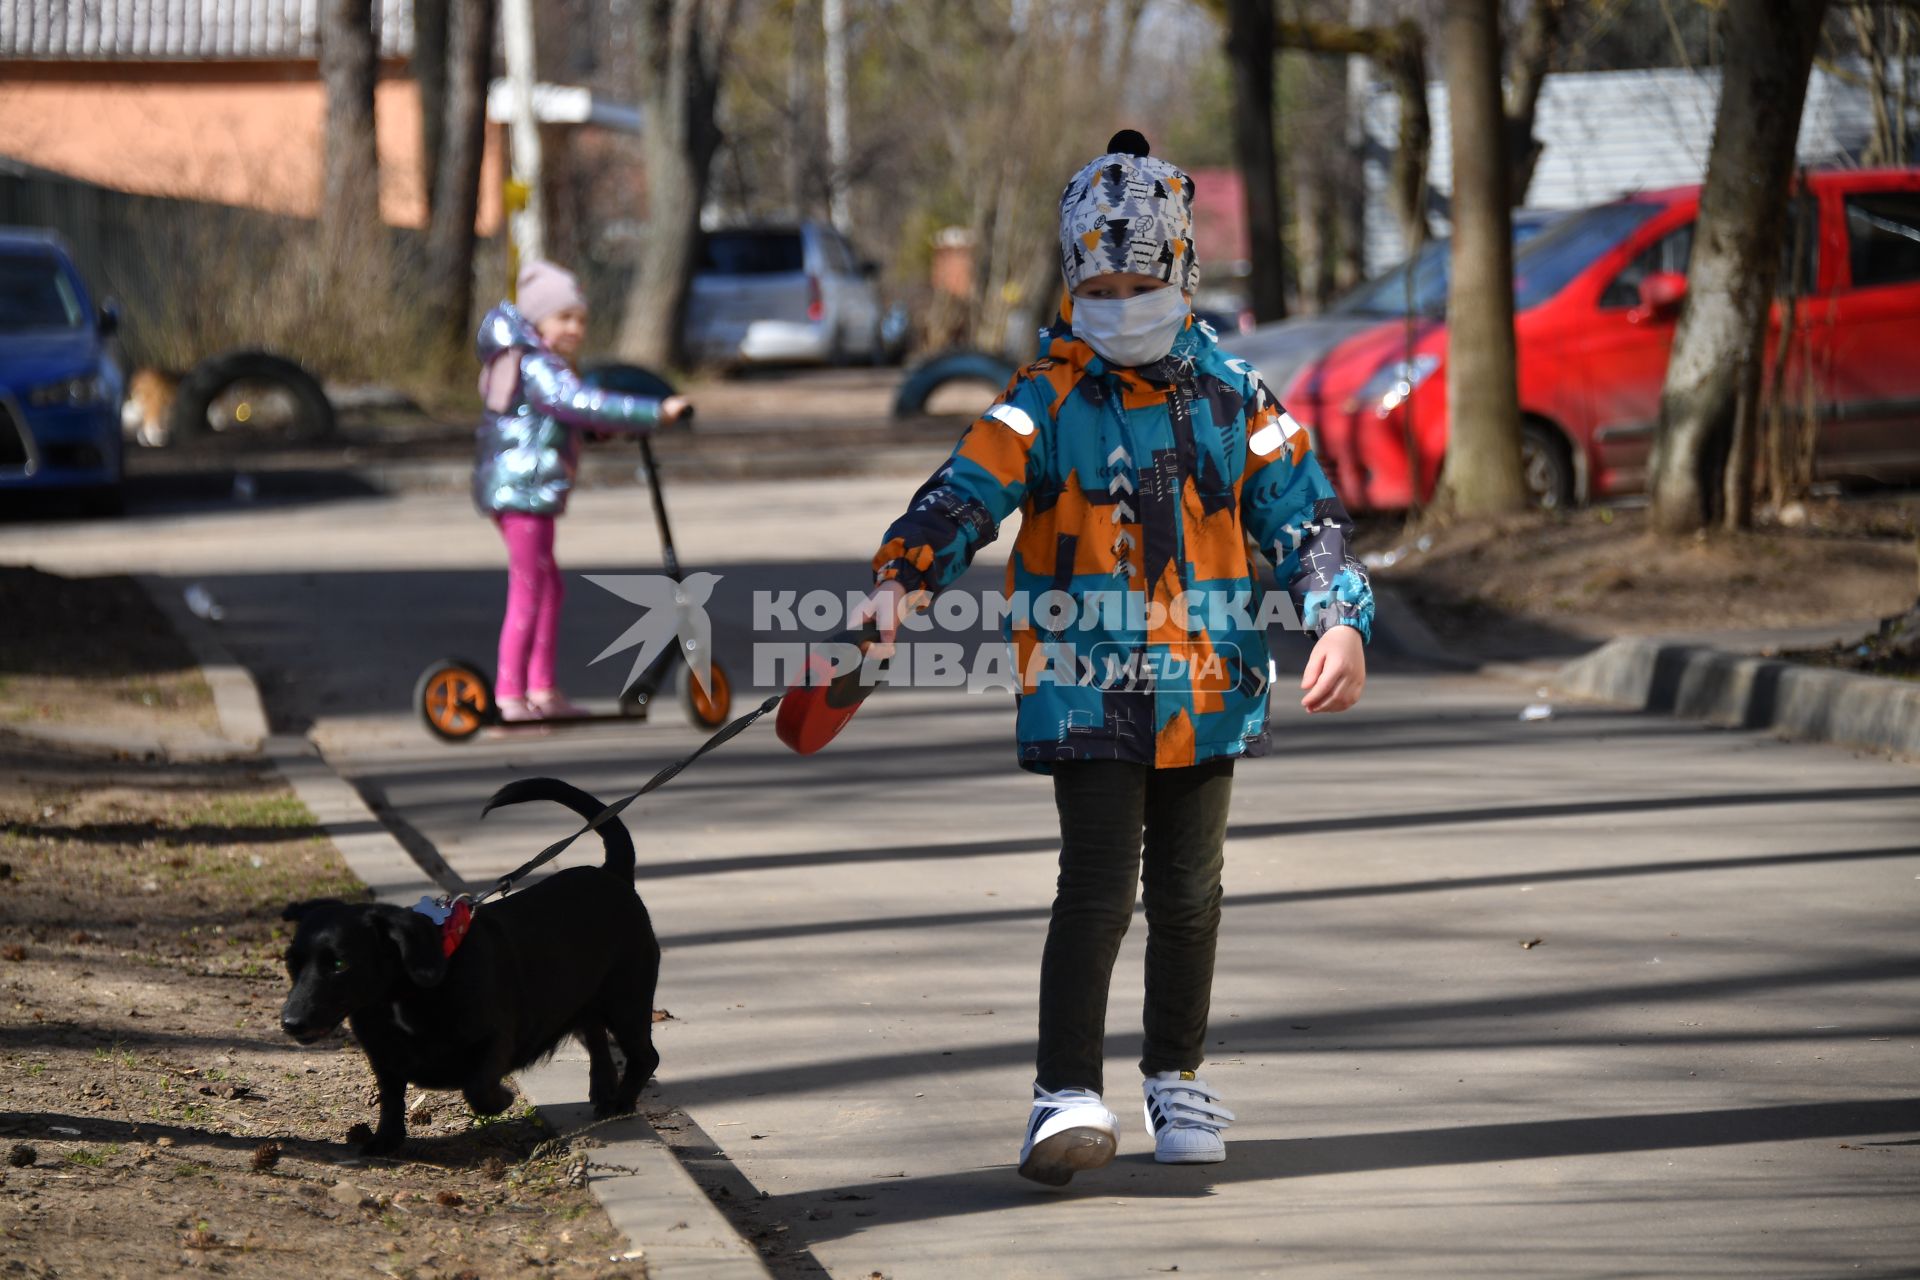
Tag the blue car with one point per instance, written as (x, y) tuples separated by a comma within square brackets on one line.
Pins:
[(60, 386)]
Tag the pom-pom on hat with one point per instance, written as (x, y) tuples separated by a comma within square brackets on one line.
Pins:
[(1127, 211)]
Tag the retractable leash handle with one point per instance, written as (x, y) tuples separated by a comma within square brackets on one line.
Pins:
[(818, 705)]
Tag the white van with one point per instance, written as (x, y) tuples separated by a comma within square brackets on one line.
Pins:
[(782, 294)]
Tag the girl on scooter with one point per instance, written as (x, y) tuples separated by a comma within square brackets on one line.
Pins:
[(529, 448)]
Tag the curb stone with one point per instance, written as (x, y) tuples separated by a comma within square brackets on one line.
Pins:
[(1740, 692), (236, 698), (646, 1192)]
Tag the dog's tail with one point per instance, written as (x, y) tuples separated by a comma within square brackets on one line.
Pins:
[(613, 832)]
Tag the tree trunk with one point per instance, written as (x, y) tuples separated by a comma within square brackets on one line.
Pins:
[(430, 77), (1481, 474), (1533, 50), (682, 46), (1405, 62), (350, 187), (1713, 374), (1319, 157), (1250, 50), (450, 233)]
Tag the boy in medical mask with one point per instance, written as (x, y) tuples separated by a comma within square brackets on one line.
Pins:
[(1142, 458)]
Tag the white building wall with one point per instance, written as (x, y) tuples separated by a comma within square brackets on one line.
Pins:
[(1605, 134)]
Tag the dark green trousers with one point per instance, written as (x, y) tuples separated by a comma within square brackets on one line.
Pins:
[(1109, 811)]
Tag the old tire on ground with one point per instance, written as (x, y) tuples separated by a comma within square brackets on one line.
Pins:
[(935, 372), (313, 416), (629, 379)]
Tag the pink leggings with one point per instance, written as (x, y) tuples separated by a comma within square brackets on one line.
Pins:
[(534, 592)]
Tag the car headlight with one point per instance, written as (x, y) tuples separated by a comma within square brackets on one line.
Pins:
[(1393, 382), (75, 392)]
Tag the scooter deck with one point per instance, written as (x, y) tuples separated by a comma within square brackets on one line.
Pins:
[(564, 722)]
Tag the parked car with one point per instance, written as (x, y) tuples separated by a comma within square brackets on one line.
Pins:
[(1279, 350), (1596, 297), (60, 386), (793, 294)]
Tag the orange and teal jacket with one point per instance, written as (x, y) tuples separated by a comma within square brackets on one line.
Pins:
[(1135, 615)]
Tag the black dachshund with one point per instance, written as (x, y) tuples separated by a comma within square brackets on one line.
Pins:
[(573, 954)]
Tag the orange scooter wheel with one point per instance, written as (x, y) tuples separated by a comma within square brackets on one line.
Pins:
[(455, 699), (708, 707)]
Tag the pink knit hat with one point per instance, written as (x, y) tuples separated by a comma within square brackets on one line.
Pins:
[(546, 288)]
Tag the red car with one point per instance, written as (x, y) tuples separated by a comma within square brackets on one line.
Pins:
[(1595, 300)]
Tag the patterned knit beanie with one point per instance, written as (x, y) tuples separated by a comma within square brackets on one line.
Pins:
[(1128, 212)]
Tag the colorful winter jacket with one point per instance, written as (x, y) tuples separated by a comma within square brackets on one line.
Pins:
[(529, 446), (1139, 490)]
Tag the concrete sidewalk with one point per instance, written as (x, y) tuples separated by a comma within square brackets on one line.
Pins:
[(1704, 1063)]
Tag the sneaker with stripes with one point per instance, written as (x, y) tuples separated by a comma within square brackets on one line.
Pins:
[(1068, 1132), (1185, 1117)]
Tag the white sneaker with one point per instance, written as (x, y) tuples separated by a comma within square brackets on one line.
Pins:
[(1185, 1117), (1069, 1132)]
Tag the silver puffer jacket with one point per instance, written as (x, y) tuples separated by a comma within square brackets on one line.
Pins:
[(529, 450)]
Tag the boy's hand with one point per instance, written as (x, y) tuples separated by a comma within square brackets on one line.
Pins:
[(1336, 672), (886, 606), (673, 409)]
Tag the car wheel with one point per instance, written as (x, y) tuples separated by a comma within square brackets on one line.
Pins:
[(1546, 467)]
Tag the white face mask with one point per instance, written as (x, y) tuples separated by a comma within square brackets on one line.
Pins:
[(1131, 331)]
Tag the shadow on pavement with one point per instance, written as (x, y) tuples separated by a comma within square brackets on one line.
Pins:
[(1451, 884), (1274, 1159), (1276, 1034)]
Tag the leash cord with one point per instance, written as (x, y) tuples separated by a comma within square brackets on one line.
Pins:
[(728, 732)]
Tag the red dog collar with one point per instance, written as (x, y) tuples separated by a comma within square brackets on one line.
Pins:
[(454, 916), (454, 928)]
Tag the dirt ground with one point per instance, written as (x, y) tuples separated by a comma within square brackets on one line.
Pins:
[(92, 651), (1541, 584), (152, 1115)]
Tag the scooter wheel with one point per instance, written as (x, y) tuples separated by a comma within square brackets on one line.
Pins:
[(709, 707), (455, 699)]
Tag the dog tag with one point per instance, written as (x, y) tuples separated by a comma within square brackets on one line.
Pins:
[(434, 909)]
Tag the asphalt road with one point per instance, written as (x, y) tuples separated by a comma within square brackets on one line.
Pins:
[(1707, 1062)]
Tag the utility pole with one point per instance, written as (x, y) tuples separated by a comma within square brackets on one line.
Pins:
[(529, 224), (839, 148)]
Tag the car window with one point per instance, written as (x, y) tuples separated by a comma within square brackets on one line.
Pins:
[(1669, 253), (1674, 252), (36, 294), (839, 257), (1556, 256), (1883, 237), (751, 253), (1386, 294)]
